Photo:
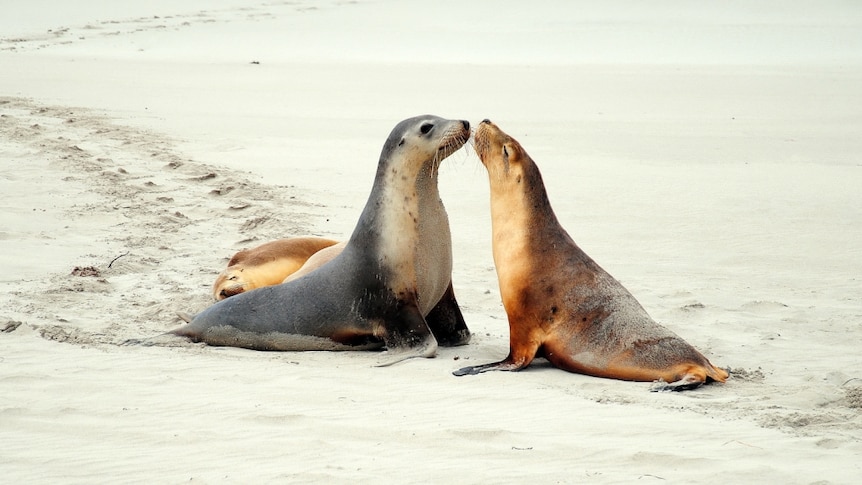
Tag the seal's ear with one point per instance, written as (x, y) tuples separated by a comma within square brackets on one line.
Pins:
[(505, 154), (401, 142)]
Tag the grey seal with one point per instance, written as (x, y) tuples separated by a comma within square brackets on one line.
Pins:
[(390, 286)]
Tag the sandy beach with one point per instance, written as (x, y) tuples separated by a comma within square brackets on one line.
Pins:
[(706, 155)]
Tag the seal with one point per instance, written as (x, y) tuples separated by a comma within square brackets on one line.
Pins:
[(391, 284), (267, 264), (317, 260), (561, 305)]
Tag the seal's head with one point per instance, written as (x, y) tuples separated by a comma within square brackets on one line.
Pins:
[(230, 282), (502, 155), (424, 141), (266, 265)]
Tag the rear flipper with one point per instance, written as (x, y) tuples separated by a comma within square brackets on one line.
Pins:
[(166, 339), (185, 317), (687, 383), (693, 377), (162, 340)]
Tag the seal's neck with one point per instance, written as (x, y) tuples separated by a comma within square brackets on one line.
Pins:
[(392, 213), (522, 219), (426, 179), (521, 202)]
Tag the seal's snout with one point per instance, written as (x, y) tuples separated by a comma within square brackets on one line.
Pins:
[(486, 121), (466, 124)]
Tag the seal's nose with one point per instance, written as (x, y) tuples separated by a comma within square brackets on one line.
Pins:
[(466, 124), (486, 121)]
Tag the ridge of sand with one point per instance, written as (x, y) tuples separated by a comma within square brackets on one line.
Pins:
[(122, 210)]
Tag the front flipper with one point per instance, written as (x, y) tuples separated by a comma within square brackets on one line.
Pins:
[(446, 322), (521, 354), (407, 335), (514, 362), (428, 349), (503, 365)]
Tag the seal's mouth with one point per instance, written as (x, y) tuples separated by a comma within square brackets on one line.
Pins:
[(482, 138), (453, 139), (230, 291)]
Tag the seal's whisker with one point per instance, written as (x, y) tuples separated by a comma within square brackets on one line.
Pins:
[(450, 142)]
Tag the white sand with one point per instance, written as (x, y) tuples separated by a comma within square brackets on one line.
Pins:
[(707, 154)]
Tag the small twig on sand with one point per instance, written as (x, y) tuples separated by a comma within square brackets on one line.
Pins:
[(118, 257)]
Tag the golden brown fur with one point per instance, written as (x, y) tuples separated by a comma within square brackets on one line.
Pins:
[(317, 260), (561, 304), (267, 264)]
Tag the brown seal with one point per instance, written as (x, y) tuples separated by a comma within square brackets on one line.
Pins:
[(267, 264), (317, 260), (561, 305)]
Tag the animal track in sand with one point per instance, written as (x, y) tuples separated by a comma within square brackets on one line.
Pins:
[(147, 215), (66, 35)]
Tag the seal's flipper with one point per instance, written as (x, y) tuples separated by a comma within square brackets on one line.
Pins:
[(161, 340), (687, 383), (518, 358), (428, 349), (446, 322), (503, 365), (185, 317), (407, 335)]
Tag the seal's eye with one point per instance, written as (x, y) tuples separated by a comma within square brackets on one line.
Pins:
[(424, 129)]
